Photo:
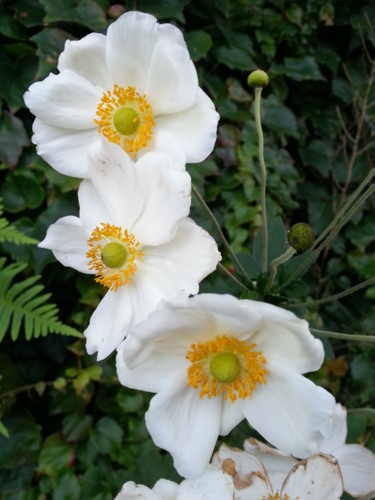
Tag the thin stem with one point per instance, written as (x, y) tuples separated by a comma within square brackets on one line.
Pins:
[(258, 92), (357, 137), (227, 273), (344, 336), (221, 234), (337, 296), (344, 209), (277, 262)]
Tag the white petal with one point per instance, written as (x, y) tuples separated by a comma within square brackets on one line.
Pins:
[(248, 473), (166, 489), (65, 150), (67, 239), (132, 491), (232, 415), (339, 432), (212, 485), (109, 323), (152, 372), (112, 182), (87, 58), (167, 143), (184, 425), (277, 464), (130, 44), (317, 478), (357, 466), (147, 198), (284, 338), (304, 411), (172, 82), (195, 128), (185, 260), (165, 186), (66, 100)]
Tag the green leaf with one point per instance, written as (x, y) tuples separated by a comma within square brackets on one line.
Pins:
[(107, 436), (319, 155), (76, 426), (9, 233), (67, 487), (172, 9), (3, 430), (294, 14), (11, 28), (29, 12), (199, 43), (342, 89), (235, 58), (50, 42), (130, 403), (18, 70), (95, 486), (13, 138), (85, 12), (23, 443), (278, 117), (21, 190), (303, 68), (55, 456)]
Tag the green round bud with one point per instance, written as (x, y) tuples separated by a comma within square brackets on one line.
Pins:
[(258, 78), (301, 236), (114, 255), (126, 121), (225, 367)]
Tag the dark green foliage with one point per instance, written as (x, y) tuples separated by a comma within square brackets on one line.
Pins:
[(68, 429)]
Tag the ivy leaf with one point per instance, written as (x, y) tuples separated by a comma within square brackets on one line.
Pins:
[(302, 68), (199, 43), (85, 12), (13, 138), (50, 42)]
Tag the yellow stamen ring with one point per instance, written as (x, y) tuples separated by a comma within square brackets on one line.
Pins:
[(113, 254), (125, 118), (225, 366)]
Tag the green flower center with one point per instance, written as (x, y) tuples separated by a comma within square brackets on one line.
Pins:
[(126, 121), (114, 255), (225, 367)]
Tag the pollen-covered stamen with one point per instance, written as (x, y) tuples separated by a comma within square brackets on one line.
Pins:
[(125, 118), (225, 366), (113, 255), (277, 496)]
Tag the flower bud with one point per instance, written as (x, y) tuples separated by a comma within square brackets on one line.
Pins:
[(301, 236), (258, 78)]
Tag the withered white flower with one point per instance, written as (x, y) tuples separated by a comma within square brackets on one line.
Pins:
[(357, 463), (136, 86), (133, 233), (316, 478), (214, 360)]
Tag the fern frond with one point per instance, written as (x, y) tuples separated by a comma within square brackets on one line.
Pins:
[(10, 233), (23, 303)]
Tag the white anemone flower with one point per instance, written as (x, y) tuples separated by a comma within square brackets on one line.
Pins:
[(212, 485), (133, 234), (214, 360), (357, 463), (316, 478), (136, 86)]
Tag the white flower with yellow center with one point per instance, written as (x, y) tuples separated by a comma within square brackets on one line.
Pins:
[(136, 86), (316, 478), (133, 233), (357, 463), (214, 360)]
